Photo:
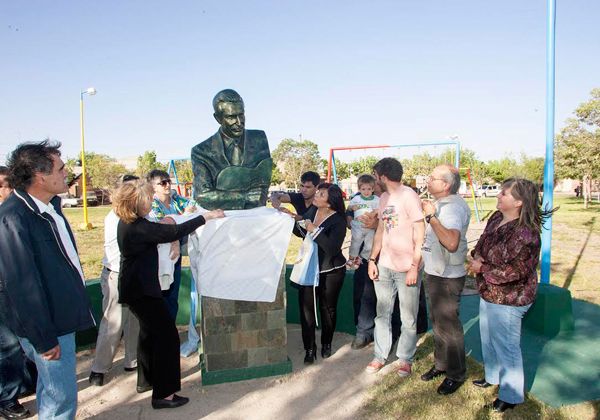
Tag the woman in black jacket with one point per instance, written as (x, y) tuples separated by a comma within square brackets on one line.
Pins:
[(139, 287), (326, 223)]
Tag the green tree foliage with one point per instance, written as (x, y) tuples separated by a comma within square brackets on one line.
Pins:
[(184, 171), (364, 165), (103, 171), (578, 145), (147, 162), (294, 157)]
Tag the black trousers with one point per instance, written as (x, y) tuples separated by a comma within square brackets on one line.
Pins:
[(327, 294), (444, 301), (158, 347)]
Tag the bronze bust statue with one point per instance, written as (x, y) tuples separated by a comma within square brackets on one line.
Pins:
[(232, 168)]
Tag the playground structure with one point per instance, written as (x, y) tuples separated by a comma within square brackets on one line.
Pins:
[(183, 189), (332, 170)]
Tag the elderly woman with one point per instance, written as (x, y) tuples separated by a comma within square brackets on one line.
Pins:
[(166, 201), (505, 260), (326, 223), (139, 287)]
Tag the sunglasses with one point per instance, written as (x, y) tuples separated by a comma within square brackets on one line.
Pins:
[(164, 182)]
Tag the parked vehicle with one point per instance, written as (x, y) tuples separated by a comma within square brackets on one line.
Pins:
[(67, 200), (488, 190), (92, 198)]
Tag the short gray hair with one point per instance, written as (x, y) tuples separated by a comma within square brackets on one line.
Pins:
[(226, 96), (452, 177)]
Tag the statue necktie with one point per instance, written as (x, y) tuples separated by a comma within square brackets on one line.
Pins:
[(236, 154)]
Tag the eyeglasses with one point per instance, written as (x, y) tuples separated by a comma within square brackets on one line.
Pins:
[(431, 178), (164, 182)]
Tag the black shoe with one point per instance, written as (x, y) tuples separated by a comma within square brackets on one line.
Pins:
[(143, 388), (126, 369), (177, 401), (311, 356), (432, 373), (13, 410), (448, 386), (326, 351), (96, 378), (500, 406), (359, 343), (482, 383)]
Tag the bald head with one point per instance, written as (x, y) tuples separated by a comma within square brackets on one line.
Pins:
[(444, 180)]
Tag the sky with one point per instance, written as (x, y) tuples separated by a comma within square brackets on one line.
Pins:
[(339, 73)]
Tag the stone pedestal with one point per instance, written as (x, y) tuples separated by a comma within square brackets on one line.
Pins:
[(244, 340)]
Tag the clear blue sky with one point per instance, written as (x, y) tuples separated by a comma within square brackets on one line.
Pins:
[(335, 72)]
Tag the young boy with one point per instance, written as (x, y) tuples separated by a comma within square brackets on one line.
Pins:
[(363, 203)]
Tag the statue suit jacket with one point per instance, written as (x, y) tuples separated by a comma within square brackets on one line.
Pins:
[(218, 184)]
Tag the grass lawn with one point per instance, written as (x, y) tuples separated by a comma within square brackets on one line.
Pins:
[(575, 265)]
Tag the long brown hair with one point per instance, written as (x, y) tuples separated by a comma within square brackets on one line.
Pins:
[(532, 216)]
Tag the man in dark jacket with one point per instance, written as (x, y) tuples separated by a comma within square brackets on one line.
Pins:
[(42, 292)]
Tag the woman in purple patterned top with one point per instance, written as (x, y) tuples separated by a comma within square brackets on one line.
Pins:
[(505, 261)]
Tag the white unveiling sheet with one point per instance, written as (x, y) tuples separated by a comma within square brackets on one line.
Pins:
[(240, 256)]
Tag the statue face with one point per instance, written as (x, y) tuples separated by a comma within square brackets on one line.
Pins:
[(232, 119)]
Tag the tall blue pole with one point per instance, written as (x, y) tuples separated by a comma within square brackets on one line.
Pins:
[(547, 202)]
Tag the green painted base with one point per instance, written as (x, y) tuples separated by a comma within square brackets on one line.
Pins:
[(552, 312), (242, 374)]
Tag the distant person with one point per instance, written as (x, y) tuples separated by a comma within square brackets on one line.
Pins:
[(444, 256), (505, 260), (139, 287), (17, 376), (117, 320), (165, 202), (303, 200), (362, 236), (394, 266), (325, 222), (42, 288)]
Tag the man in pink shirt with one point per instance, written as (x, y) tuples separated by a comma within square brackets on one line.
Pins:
[(397, 243)]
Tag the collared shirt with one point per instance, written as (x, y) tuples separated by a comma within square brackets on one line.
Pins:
[(112, 255), (65, 238), (176, 206)]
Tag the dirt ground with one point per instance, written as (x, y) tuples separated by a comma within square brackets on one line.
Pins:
[(334, 388)]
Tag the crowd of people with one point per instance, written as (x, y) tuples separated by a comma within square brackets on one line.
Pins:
[(403, 249)]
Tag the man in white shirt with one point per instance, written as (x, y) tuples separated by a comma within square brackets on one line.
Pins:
[(42, 292), (444, 254), (117, 319)]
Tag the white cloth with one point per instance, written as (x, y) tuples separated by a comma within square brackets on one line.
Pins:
[(166, 266), (240, 257), (453, 213), (65, 238), (112, 255)]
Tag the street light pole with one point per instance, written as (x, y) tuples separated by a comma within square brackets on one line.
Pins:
[(86, 225)]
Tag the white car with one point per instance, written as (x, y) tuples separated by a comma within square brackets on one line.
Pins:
[(66, 200), (487, 191)]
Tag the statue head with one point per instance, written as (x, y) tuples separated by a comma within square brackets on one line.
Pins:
[(229, 112)]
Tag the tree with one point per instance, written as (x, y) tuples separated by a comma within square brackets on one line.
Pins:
[(578, 145), (294, 157), (147, 162), (364, 165), (501, 169), (103, 171), (185, 173), (532, 168)]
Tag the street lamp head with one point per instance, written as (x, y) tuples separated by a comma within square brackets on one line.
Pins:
[(90, 91)]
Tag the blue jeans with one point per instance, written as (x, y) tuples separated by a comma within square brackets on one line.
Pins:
[(365, 303), (500, 329), (17, 376), (391, 284), (57, 380)]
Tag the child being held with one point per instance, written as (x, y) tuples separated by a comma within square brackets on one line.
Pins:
[(362, 203)]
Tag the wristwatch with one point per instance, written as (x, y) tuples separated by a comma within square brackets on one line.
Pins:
[(429, 217)]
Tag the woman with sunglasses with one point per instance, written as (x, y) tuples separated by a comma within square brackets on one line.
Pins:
[(166, 201), (505, 261)]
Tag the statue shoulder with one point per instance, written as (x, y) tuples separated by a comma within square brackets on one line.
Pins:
[(206, 146), (258, 139)]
